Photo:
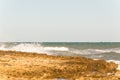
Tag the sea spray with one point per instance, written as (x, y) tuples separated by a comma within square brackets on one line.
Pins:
[(26, 47)]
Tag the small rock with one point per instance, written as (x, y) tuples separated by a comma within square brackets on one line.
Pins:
[(81, 78), (117, 74)]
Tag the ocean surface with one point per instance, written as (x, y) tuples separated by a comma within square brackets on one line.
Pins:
[(109, 51)]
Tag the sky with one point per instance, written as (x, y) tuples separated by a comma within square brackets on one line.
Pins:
[(59, 20)]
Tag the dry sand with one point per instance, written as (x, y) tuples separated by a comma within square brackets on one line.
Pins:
[(32, 66)]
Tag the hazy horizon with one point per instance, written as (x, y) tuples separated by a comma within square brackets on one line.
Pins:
[(59, 21)]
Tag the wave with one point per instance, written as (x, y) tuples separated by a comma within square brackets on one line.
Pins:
[(95, 51), (56, 48), (31, 47), (39, 48), (23, 48)]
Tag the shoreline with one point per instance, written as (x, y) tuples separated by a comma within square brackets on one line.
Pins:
[(32, 66)]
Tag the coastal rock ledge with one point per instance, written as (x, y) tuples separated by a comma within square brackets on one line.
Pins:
[(32, 66)]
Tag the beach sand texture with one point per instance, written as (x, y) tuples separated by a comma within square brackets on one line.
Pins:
[(32, 66)]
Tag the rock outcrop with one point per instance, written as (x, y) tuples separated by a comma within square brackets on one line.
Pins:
[(32, 66)]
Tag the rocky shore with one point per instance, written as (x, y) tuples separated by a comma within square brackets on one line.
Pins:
[(32, 66)]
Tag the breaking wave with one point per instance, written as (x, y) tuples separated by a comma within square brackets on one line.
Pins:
[(95, 51), (27, 47), (38, 48)]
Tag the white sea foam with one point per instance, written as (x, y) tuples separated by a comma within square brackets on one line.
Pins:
[(38, 48), (31, 47), (25, 47), (95, 51), (56, 48)]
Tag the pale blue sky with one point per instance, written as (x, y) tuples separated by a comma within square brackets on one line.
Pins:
[(60, 20)]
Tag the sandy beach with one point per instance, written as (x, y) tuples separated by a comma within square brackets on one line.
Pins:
[(33, 66)]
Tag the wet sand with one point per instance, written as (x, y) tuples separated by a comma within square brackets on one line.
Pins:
[(33, 66)]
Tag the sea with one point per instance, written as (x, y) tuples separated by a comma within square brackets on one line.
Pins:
[(109, 51)]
